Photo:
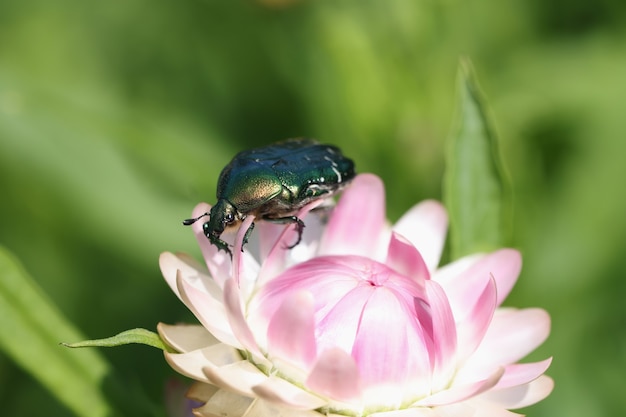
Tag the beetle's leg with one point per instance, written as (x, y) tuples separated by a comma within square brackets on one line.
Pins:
[(289, 219), (221, 245), (247, 235), (299, 229)]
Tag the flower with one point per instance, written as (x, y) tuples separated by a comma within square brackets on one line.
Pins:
[(356, 320)]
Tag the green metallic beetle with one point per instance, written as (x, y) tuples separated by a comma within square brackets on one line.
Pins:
[(273, 183)]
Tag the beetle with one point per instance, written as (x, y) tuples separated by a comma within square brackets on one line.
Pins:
[(273, 183)]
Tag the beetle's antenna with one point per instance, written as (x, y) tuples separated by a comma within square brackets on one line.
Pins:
[(189, 222)]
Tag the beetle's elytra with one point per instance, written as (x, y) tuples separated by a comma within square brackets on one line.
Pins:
[(273, 183)]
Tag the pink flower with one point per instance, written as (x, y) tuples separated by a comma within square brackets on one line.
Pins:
[(356, 320)]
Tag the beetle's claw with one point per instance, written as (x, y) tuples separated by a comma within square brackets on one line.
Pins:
[(299, 228), (225, 249), (221, 245)]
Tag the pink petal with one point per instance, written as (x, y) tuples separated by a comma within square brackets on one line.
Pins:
[(425, 226), (209, 311), (339, 322), (327, 278), (521, 395), (472, 330), (512, 335), (522, 373), (269, 234), (186, 337), (290, 234), (406, 361), (291, 331), (358, 220), (315, 222), (235, 316), (444, 336), (335, 375), (248, 273), (507, 264), (217, 262), (464, 288), (239, 271), (277, 258), (406, 260), (459, 393), (279, 391)]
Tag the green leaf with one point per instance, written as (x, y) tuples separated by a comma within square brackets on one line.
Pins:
[(475, 186), (141, 336), (31, 329)]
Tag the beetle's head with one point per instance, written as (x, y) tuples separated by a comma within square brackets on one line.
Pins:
[(222, 215)]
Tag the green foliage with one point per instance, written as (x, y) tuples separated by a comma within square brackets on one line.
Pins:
[(31, 329), (116, 118), (139, 336), (475, 186)]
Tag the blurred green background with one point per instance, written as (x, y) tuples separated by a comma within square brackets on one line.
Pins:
[(116, 118)]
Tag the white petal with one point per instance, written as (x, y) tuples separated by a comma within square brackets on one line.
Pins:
[(238, 324), (512, 335), (245, 267), (209, 310), (218, 262), (260, 408), (410, 412), (186, 337), (202, 392), (281, 392), (171, 263), (474, 408), (225, 404), (191, 363), (522, 395), (239, 376), (447, 273), (459, 393)]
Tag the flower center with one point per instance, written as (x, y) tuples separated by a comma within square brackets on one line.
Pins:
[(378, 316)]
